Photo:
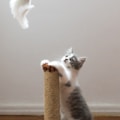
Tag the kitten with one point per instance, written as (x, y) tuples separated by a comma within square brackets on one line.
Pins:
[(19, 10), (73, 105)]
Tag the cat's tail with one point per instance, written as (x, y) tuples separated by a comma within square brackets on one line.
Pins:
[(19, 10)]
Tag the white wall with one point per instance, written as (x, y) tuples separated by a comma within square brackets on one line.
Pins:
[(91, 27)]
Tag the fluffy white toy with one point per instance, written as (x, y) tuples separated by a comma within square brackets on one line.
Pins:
[(20, 9)]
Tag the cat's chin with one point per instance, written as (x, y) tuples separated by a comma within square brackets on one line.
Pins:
[(68, 67)]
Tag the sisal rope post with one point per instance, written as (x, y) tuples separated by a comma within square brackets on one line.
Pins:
[(51, 93)]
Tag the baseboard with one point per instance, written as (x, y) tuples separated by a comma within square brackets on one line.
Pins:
[(38, 109), (21, 109), (105, 109)]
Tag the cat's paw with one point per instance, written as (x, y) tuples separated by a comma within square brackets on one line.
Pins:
[(46, 67), (53, 63), (44, 62), (57, 65)]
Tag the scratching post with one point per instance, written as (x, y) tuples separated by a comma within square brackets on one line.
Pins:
[(51, 93)]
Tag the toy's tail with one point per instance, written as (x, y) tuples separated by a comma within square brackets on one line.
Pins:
[(19, 10)]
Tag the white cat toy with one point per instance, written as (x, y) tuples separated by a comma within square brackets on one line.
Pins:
[(73, 105), (19, 10)]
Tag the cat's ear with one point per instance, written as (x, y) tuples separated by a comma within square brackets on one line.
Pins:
[(82, 60), (70, 50)]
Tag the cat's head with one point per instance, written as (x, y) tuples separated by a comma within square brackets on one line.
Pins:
[(72, 61)]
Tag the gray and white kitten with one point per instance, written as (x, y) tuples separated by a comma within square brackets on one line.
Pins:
[(73, 105)]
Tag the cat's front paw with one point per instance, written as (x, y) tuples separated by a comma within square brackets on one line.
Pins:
[(54, 64), (46, 67), (57, 65), (44, 62)]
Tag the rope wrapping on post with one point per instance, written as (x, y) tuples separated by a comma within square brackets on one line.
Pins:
[(51, 93)]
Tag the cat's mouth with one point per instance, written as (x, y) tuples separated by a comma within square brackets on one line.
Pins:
[(68, 65)]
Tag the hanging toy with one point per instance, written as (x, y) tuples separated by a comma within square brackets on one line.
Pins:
[(19, 10)]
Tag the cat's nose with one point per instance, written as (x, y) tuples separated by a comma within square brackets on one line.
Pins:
[(65, 60)]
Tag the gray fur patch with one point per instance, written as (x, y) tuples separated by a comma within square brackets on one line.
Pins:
[(75, 63), (77, 106), (68, 84)]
